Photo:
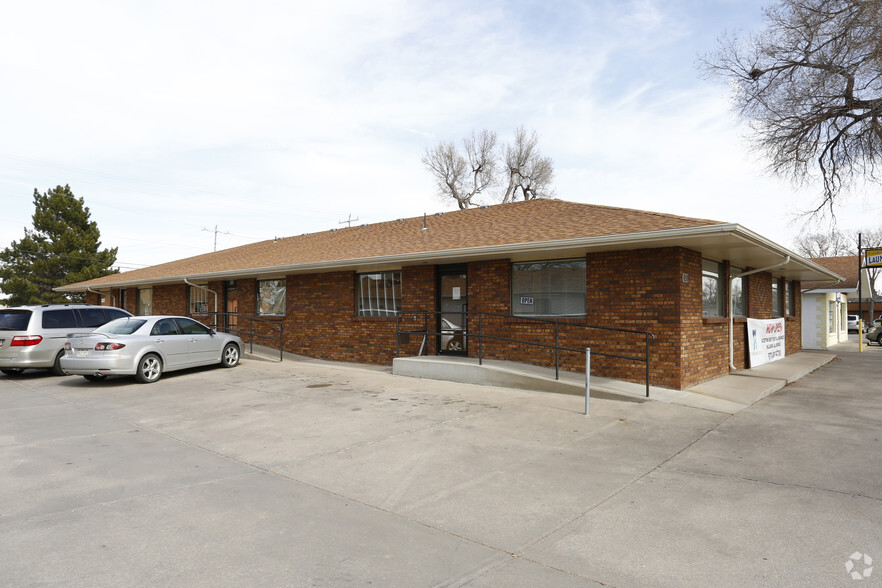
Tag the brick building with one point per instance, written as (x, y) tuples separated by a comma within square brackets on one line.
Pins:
[(509, 281)]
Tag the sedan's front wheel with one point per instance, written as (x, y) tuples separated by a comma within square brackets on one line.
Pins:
[(230, 356), (149, 369)]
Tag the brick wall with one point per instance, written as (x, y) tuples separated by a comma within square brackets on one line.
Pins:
[(171, 299), (642, 290)]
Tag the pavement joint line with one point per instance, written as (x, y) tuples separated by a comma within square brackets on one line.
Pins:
[(771, 483), (621, 489), (468, 579), (478, 479), (103, 503)]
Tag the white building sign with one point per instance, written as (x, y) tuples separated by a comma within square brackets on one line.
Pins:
[(765, 340)]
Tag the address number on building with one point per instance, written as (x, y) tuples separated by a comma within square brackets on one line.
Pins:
[(528, 300)]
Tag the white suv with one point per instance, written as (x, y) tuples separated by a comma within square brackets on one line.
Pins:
[(853, 323), (34, 336)]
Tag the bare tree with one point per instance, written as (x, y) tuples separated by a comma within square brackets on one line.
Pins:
[(810, 86), (463, 176), (481, 167), (832, 244), (529, 173)]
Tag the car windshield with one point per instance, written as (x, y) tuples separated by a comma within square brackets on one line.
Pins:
[(122, 326), (14, 320)]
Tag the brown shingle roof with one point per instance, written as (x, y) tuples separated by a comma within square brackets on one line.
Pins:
[(846, 266), (504, 224)]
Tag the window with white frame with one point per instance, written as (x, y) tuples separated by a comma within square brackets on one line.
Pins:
[(789, 299), (776, 297), (271, 297), (199, 300), (548, 288), (831, 318), (145, 301), (379, 294), (739, 294), (712, 291)]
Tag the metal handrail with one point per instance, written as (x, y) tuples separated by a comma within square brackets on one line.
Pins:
[(251, 334), (647, 336)]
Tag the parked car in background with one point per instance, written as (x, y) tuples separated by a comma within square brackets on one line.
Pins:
[(874, 335), (34, 336), (451, 336), (148, 346), (853, 323)]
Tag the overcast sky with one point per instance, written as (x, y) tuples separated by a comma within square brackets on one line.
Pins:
[(270, 119)]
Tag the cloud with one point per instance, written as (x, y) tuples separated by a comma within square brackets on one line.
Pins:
[(274, 118)]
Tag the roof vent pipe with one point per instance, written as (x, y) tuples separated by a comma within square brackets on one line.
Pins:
[(731, 304)]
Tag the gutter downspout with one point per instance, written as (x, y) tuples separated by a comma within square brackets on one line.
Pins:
[(112, 297), (189, 283), (731, 304)]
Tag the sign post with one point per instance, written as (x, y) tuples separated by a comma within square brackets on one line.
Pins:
[(867, 258), (587, 378)]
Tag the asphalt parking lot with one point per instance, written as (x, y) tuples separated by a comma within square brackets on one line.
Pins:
[(311, 474)]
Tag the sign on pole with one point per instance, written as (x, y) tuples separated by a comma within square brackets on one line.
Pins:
[(874, 257)]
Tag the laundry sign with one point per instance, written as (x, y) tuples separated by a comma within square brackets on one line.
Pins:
[(874, 257), (765, 340)]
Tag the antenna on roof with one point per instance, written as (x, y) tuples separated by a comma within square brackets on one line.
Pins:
[(215, 234), (348, 221)]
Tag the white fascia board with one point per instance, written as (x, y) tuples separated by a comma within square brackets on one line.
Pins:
[(668, 237), (831, 291)]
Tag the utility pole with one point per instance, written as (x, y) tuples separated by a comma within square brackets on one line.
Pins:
[(215, 234)]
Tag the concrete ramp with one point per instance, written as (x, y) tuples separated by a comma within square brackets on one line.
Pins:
[(727, 394)]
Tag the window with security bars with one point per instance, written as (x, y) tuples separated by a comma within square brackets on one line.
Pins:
[(199, 300), (379, 294)]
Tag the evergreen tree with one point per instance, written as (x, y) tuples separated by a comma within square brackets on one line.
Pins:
[(62, 248)]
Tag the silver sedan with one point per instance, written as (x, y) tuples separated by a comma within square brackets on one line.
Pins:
[(147, 346)]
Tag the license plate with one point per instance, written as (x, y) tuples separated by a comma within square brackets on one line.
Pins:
[(82, 353)]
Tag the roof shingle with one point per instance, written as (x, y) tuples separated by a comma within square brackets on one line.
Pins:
[(504, 224)]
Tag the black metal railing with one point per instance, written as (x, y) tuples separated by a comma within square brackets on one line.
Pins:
[(480, 335), (231, 325)]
